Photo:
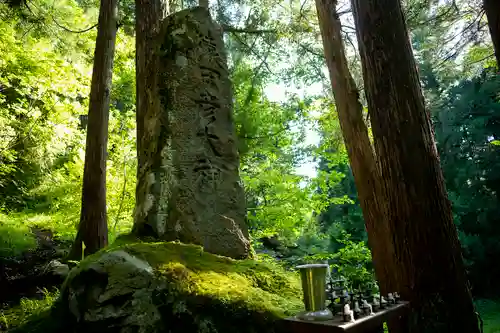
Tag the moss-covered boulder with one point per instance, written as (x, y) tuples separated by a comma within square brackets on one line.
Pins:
[(172, 287)]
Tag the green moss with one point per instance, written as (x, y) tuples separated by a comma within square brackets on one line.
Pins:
[(187, 289), (257, 286), (181, 287)]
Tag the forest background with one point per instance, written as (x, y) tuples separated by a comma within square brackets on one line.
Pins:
[(282, 95)]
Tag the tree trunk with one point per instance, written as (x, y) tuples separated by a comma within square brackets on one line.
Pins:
[(93, 227), (428, 255), (492, 9), (148, 13), (359, 148)]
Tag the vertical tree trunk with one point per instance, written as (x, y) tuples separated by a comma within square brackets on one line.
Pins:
[(149, 13), (428, 255), (492, 9), (359, 148), (93, 227)]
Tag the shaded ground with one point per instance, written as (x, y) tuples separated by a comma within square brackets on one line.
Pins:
[(27, 275), (28, 288)]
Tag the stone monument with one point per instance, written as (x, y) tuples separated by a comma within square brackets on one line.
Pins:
[(189, 188)]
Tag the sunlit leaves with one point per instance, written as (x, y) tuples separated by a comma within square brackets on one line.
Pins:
[(352, 262), (44, 87), (479, 57), (40, 91), (271, 146)]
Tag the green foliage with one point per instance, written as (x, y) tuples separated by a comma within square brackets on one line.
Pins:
[(489, 310), (271, 139), (271, 134), (353, 262), (343, 213), (39, 102), (27, 310), (467, 126), (15, 236), (462, 94), (41, 179), (44, 87)]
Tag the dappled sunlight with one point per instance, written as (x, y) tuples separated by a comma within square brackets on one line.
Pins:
[(337, 150)]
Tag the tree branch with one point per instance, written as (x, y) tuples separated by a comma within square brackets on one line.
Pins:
[(227, 28), (73, 31), (273, 134)]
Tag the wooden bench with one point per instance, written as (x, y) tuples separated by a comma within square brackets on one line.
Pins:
[(366, 324)]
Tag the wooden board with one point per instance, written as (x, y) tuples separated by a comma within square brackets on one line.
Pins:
[(366, 324)]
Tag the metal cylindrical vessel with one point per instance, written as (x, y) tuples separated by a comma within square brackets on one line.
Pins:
[(313, 278)]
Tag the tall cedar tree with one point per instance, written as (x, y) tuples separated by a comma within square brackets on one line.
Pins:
[(359, 148), (492, 9), (93, 227), (428, 255), (149, 14)]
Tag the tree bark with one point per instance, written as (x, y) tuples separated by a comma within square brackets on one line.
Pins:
[(149, 13), (93, 227), (359, 148), (428, 256), (492, 9)]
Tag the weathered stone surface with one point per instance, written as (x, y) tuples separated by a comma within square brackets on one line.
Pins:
[(189, 188), (57, 268), (91, 292), (172, 287)]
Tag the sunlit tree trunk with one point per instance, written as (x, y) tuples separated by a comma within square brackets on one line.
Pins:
[(428, 255), (492, 9), (93, 227), (359, 148), (149, 14)]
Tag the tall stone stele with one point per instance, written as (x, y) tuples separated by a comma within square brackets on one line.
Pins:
[(189, 188)]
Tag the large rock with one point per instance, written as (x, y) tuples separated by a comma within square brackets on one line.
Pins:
[(172, 287), (189, 187)]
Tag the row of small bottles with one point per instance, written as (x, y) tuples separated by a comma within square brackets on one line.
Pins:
[(378, 303)]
